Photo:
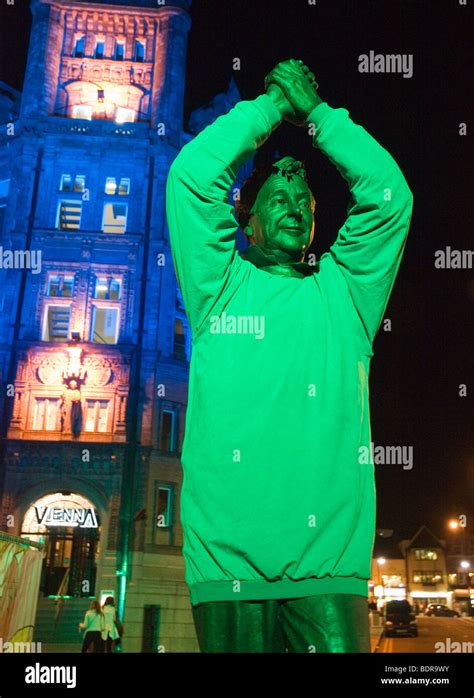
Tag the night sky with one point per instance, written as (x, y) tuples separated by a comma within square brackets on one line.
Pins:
[(418, 366)]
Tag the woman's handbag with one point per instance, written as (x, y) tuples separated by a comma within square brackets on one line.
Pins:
[(103, 631)]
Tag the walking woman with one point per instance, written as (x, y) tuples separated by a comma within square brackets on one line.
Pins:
[(110, 616), (94, 626)]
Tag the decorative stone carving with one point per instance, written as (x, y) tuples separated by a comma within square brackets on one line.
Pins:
[(49, 371), (99, 371)]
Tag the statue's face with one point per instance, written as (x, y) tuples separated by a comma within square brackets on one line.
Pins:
[(73, 385), (283, 216)]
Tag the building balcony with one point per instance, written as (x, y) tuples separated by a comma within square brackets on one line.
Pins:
[(71, 392), (95, 237), (56, 124)]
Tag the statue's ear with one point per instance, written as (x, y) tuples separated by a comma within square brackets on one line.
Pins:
[(247, 231)]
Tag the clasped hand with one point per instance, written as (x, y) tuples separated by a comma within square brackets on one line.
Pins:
[(293, 88)]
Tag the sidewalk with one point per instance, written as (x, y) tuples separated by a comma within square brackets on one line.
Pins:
[(376, 634), (69, 648)]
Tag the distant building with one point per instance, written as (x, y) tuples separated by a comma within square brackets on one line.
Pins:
[(427, 576), (388, 573), (422, 569), (460, 562)]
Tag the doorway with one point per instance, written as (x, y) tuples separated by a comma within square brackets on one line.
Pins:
[(69, 566)]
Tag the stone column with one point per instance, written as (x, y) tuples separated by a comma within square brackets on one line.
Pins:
[(44, 56), (169, 72)]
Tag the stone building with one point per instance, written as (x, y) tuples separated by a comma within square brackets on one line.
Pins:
[(94, 342)]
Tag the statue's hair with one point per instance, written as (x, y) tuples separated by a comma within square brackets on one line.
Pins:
[(253, 184)]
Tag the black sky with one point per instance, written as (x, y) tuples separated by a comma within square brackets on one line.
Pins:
[(418, 367)]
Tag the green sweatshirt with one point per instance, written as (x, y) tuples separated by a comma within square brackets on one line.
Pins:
[(276, 501)]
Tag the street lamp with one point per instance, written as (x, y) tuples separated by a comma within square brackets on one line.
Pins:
[(380, 561), (380, 593), (456, 526)]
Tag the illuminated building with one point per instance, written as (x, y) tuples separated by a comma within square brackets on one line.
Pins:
[(94, 342)]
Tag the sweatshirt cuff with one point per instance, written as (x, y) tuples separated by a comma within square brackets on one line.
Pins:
[(319, 114), (271, 113)]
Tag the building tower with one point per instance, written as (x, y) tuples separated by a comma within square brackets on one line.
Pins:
[(94, 342)]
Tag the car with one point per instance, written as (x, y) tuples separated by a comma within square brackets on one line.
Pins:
[(399, 619), (440, 609)]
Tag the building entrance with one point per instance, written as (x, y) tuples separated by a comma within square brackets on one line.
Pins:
[(69, 567), (68, 525)]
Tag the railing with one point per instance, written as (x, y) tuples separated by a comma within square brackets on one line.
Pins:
[(25, 542), (98, 235), (103, 127)]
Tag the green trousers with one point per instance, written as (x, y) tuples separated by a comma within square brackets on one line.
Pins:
[(324, 623)]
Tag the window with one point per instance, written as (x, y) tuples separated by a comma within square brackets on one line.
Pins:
[(422, 554), (79, 47), (79, 183), (119, 51), (124, 186), (123, 115), (164, 513), (392, 580), (108, 288), (105, 323), (111, 185), (96, 415), (66, 183), (179, 347), (69, 215), (56, 323), (428, 578), (167, 431), (115, 218), (163, 506), (82, 111), (60, 285), (139, 53), (46, 414), (99, 49)]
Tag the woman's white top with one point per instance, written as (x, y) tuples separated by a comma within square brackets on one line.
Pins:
[(92, 621), (110, 616)]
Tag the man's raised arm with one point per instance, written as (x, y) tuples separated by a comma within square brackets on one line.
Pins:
[(370, 244), (200, 218)]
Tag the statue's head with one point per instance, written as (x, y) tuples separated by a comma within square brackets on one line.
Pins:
[(276, 208), (73, 384)]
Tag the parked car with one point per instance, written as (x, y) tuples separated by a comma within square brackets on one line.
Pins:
[(440, 609), (399, 619)]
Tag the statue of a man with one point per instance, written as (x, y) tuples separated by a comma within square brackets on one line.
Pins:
[(277, 506), (71, 408)]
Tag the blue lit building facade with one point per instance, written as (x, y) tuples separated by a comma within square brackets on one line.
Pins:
[(94, 342)]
